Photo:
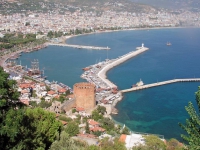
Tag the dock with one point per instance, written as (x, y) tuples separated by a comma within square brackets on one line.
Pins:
[(118, 61), (160, 83), (79, 46)]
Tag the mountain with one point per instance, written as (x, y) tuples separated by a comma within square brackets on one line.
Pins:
[(17, 6), (192, 5)]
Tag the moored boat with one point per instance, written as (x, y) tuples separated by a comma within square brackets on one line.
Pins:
[(140, 83), (168, 44)]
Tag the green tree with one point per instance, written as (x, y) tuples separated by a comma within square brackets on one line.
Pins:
[(67, 119), (62, 98), (174, 144), (93, 147), (125, 130), (72, 129), (101, 109), (67, 92), (107, 124), (154, 143), (96, 115), (29, 129), (66, 143), (8, 94), (73, 110), (9, 102), (33, 103), (87, 129), (108, 144), (192, 126), (44, 104)]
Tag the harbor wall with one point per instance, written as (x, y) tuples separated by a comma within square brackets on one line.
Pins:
[(102, 73)]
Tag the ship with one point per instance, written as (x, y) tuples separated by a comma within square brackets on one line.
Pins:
[(86, 69), (140, 83), (168, 44)]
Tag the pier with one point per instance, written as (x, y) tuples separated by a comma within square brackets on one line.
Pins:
[(80, 46), (118, 61), (160, 83)]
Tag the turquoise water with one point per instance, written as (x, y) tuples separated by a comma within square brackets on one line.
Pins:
[(157, 110)]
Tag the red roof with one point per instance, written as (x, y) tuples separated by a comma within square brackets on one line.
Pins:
[(25, 101), (92, 122), (122, 138), (25, 85), (57, 96), (97, 129), (51, 92), (80, 109), (62, 90)]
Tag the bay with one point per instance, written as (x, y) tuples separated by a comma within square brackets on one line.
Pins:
[(156, 110)]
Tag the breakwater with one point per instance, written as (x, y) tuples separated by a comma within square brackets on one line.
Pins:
[(80, 46), (160, 83), (121, 59)]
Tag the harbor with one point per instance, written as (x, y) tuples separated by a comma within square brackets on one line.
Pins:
[(107, 93), (121, 59), (80, 46)]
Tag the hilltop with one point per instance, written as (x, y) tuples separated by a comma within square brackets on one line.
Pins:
[(61, 6), (192, 5)]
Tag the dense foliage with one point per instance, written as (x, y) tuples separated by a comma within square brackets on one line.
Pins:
[(72, 129), (192, 126), (67, 143), (107, 144), (29, 129), (10, 40), (152, 142), (21, 127)]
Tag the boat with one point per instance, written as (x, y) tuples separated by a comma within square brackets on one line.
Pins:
[(140, 83), (86, 69), (168, 44)]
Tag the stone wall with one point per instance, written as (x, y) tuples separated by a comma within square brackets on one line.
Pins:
[(68, 105)]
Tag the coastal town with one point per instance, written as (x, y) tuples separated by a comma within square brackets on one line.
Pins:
[(82, 100), (108, 20), (92, 100)]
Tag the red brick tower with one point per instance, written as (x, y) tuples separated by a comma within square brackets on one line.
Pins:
[(84, 94)]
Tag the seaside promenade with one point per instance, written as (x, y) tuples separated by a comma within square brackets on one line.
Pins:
[(159, 84), (102, 74), (80, 46)]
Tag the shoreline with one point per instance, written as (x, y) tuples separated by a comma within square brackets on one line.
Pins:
[(109, 31)]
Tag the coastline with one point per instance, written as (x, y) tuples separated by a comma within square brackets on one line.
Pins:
[(109, 31)]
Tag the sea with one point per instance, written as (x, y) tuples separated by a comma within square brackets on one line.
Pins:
[(156, 110)]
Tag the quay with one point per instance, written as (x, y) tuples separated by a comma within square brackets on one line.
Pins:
[(102, 73), (80, 46), (159, 84)]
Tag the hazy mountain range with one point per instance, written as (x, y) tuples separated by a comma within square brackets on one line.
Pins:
[(17, 6), (172, 4)]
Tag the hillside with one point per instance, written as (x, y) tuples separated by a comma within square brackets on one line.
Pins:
[(61, 6), (192, 5)]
